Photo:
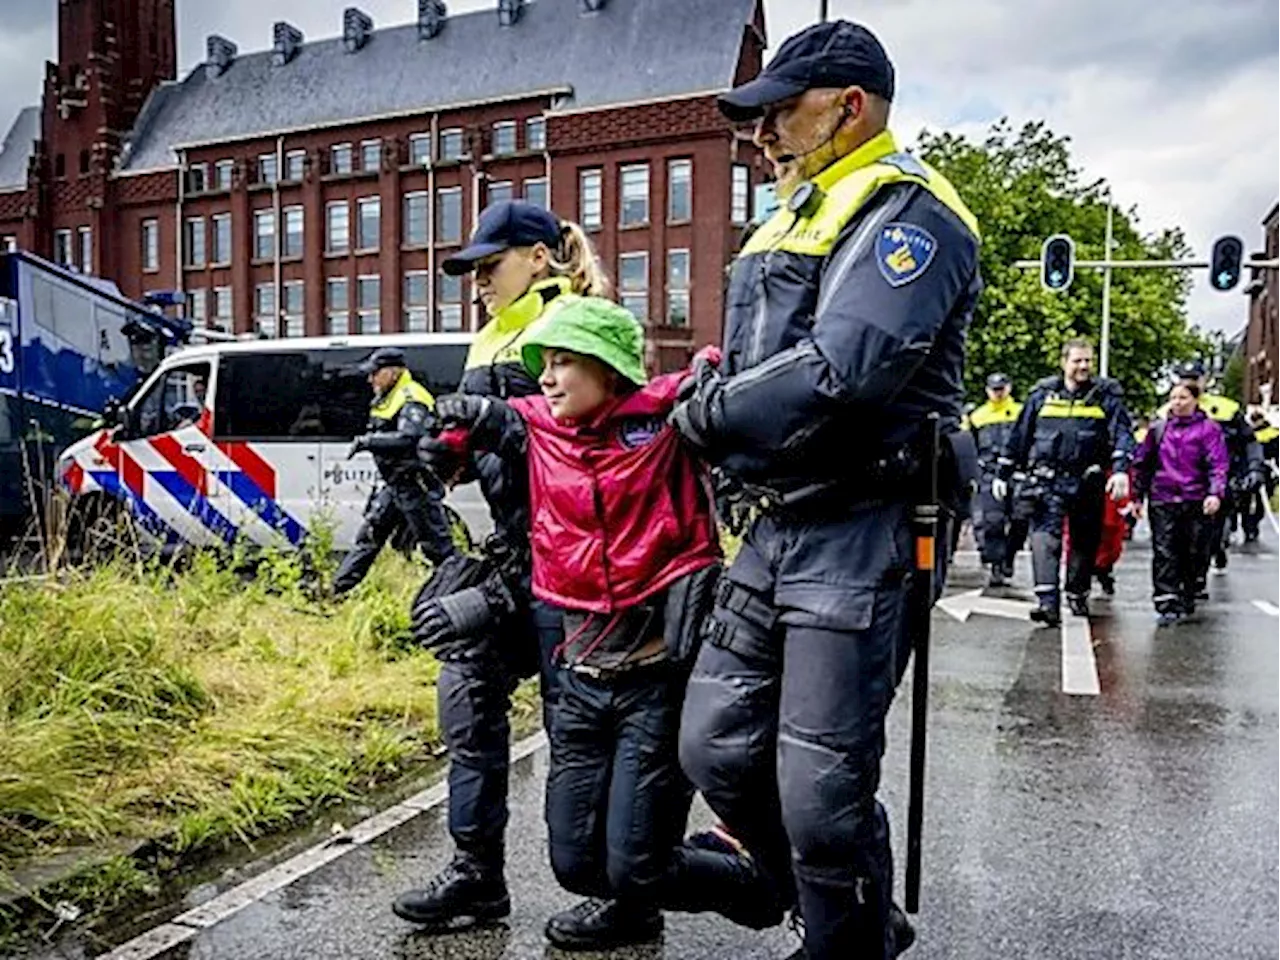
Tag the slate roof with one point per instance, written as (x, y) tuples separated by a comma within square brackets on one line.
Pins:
[(17, 149), (630, 50)]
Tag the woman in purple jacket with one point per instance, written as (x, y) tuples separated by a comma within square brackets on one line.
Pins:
[(1182, 466)]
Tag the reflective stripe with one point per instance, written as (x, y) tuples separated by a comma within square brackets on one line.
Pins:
[(1066, 409)]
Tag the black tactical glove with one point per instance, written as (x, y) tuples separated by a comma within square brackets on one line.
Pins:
[(360, 445), (461, 409), (694, 416), (460, 606)]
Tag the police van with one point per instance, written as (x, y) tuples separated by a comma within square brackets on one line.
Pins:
[(247, 439)]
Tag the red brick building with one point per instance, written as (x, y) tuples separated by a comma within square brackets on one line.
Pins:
[(316, 186), (1261, 346)]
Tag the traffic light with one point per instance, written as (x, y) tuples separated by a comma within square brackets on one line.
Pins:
[(1224, 264), (1057, 262)]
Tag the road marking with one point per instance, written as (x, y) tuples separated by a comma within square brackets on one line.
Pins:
[(1268, 608), (187, 925), (962, 605), (1079, 668)]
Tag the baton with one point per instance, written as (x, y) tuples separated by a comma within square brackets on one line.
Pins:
[(924, 523)]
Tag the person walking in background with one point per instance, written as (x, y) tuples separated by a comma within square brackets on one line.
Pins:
[(999, 533), (1252, 512), (1181, 466)]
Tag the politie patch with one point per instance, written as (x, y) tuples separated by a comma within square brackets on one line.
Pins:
[(904, 251)]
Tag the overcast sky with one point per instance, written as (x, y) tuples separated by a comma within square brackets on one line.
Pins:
[(1176, 103)]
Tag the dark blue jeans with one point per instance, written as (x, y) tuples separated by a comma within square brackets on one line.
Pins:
[(783, 725), (473, 699), (617, 801)]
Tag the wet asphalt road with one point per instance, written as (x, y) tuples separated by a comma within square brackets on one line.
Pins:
[(1141, 823)]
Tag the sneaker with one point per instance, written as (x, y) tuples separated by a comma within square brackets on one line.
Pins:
[(1107, 581), (462, 891), (1079, 606), (1047, 614), (997, 578), (603, 925)]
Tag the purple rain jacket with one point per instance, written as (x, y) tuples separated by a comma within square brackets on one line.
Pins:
[(1189, 465)]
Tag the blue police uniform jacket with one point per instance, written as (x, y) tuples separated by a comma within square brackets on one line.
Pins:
[(1071, 430), (845, 323)]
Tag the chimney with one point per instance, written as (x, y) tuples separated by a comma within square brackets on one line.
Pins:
[(219, 54), (356, 27), (431, 17), (592, 6), (509, 11), (287, 41)]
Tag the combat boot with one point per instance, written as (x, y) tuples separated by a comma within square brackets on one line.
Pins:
[(998, 578), (462, 891), (1047, 613), (904, 934), (603, 925), (1079, 606), (1107, 581)]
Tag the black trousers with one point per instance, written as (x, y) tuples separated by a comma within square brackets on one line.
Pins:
[(1079, 502), (411, 503), (999, 534), (1180, 540)]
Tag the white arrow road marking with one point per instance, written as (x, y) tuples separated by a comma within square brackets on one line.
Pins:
[(1079, 668), (1268, 608), (962, 605)]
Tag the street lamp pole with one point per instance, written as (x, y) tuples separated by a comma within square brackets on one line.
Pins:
[(823, 10), (1105, 365)]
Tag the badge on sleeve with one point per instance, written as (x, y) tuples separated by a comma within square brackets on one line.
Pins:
[(904, 251)]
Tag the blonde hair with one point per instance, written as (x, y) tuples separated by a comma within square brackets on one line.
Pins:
[(576, 259)]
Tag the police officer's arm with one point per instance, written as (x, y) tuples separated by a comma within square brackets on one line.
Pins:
[(1017, 446), (869, 336), (412, 424), (491, 424)]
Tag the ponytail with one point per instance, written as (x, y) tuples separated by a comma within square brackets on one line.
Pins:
[(576, 260)]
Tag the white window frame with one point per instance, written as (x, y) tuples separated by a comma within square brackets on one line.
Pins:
[(505, 128), (261, 216), (224, 296), (679, 293), (504, 186), (267, 163), (301, 214), (223, 174), (301, 157), (739, 194), (203, 170), (337, 313), (591, 212), (417, 140), (417, 315), (84, 249), (361, 204), (530, 141), (62, 248), (8, 243), (624, 170), (329, 235), (150, 242), (685, 164), (445, 136), (293, 323), (217, 220), (539, 182), (449, 308), (633, 293), (363, 312), (424, 198), (198, 306), (441, 194), (266, 320), (351, 159), (374, 143), (194, 227)]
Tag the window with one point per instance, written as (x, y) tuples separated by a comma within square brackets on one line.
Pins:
[(680, 191), (267, 171), (740, 205), (150, 245), (195, 242), (504, 137), (8, 243), (500, 190), (84, 161), (535, 134), (340, 158), (419, 149), (590, 212), (294, 311), (174, 400), (371, 155), (415, 218), (198, 306), (264, 234), (337, 234), (417, 308), (678, 288), (368, 222), (223, 307), (633, 284), (265, 320), (222, 171), (198, 178), (295, 165), (337, 302), (449, 298), (292, 232), (84, 243), (535, 191), (60, 166), (451, 144), (449, 215), (369, 304), (635, 194), (62, 247), (221, 238)]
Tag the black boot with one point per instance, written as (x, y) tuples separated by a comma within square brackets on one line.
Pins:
[(1047, 613), (1107, 581), (997, 578), (1220, 558), (1079, 606), (464, 890), (726, 882), (904, 934), (603, 925)]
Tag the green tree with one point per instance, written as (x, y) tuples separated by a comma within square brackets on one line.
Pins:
[(1023, 187)]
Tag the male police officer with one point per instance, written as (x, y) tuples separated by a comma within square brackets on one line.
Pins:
[(845, 330), (1000, 534), (1071, 430), (1251, 514), (1246, 472), (410, 496)]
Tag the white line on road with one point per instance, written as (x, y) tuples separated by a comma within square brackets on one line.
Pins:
[(187, 925), (1079, 669), (1268, 608)]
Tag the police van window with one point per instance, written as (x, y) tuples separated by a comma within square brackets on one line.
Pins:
[(174, 401), (263, 396), (438, 367)]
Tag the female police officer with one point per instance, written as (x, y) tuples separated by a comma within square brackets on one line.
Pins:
[(522, 259)]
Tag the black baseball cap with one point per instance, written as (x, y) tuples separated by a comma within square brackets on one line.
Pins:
[(382, 358), (997, 380), (1190, 370), (834, 54), (503, 225)]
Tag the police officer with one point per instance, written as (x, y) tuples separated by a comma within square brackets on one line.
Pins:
[(845, 329), (1000, 534), (1072, 430), (1246, 473), (1268, 438), (410, 496)]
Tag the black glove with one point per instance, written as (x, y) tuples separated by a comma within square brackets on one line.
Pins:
[(444, 622), (360, 445), (694, 417), (442, 457), (461, 409)]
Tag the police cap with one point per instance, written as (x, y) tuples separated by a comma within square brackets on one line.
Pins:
[(835, 54), (997, 380), (501, 226), (1190, 370), (382, 358)]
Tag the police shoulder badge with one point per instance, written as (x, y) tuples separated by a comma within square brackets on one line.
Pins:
[(904, 251)]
